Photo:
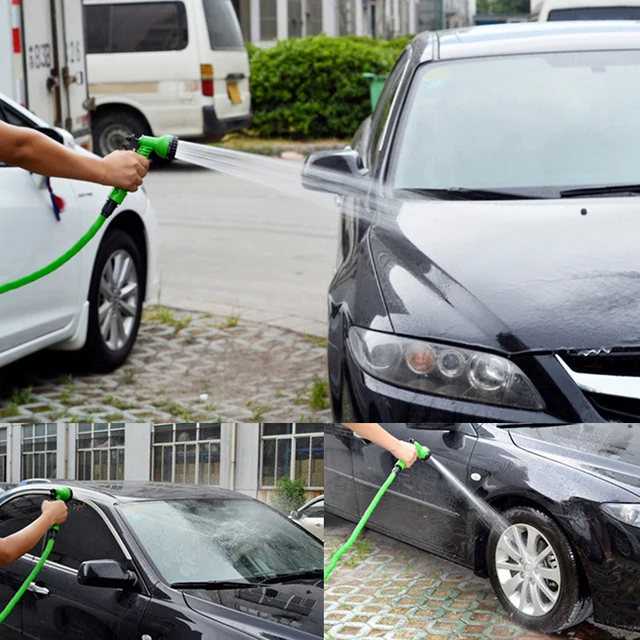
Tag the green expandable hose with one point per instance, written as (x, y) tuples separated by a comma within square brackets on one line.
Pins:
[(165, 147), (32, 576), (56, 264), (423, 454), (64, 494)]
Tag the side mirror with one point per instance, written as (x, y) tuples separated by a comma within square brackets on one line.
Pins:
[(105, 573), (294, 515), (339, 172)]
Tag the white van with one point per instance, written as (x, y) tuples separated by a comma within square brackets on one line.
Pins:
[(553, 10), (165, 66)]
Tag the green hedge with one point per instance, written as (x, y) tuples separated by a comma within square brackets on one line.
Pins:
[(313, 87)]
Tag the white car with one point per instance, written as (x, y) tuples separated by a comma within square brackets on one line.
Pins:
[(311, 517), (94, 302)]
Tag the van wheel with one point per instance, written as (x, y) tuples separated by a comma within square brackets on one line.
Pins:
[(111, 128), (115, 302), (535, 574)]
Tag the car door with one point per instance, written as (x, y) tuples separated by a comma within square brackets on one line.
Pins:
[(57, 607), (421, 506), (30, 238), (340, 491)]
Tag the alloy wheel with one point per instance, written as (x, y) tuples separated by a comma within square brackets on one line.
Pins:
[(118, 299), (527, 570)]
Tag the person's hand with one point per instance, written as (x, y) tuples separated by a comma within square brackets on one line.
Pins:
[(56, 511), (124, 169), (406, 452)]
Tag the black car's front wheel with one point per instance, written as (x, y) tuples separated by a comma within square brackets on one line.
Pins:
[(535, 573)]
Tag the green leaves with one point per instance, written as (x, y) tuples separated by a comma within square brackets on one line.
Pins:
[(313, 87)]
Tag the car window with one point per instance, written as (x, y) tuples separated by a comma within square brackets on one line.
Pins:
[(220, 539), (595, 13), (84, 536), (543, 122), (316, 511), (13, 117), (383, 108), (222, 24), (136, 27)]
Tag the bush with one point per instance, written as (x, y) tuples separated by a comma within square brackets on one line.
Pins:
[(313, 87), (289, 495)]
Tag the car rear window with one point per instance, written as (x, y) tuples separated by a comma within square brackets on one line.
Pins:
[(595, 13), (136, 27), (222, 23)]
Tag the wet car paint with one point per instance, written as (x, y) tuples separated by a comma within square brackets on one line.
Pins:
[(152, 607), (527, 279), (422, 509)]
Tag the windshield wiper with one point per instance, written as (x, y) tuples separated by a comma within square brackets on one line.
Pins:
[(286, 577), (213, 585), (594, 191), (462, 193)]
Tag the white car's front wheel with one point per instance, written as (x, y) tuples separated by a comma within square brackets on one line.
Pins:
[(115, 302)]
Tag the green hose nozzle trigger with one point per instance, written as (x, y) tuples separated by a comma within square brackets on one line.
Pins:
[(423, 454), (65, 494), (164, 147)]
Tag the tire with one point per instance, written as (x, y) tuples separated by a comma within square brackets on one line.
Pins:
[(111, 127), (108, 347), (564, 605)]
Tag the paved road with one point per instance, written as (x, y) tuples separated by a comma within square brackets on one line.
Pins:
[(228, 245), (386, 589)]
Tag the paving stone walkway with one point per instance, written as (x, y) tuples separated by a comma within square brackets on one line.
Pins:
[(386, 589), (185, 367)]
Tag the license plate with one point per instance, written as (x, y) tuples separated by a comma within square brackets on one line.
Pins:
[(234, 92)]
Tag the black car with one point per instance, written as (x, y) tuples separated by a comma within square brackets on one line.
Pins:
[(163, 562), (488, 263), (570, 496)]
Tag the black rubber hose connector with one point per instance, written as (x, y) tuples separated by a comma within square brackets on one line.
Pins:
[(109, 207), (173, 147), (397, 469)]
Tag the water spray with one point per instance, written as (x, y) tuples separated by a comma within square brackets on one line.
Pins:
[(64, 494), (165, 147), (423, 454)]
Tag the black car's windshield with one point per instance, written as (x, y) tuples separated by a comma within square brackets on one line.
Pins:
[(526, 123), (595, 13), (221, 540)]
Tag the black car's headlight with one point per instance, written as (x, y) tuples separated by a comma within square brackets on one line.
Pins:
[(443, 370), (627, 513)]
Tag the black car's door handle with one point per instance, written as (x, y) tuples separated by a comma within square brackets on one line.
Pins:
[(39, 591)]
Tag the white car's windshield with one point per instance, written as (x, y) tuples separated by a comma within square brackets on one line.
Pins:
[(554, 121), (220, 540)]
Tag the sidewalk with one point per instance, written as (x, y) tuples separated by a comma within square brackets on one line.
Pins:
[(386, 589)]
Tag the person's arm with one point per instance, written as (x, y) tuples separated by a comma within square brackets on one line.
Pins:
[(17, 544), (404, 451), (35, 152)]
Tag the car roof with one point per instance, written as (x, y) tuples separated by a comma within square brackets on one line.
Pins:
[(128, 491), (528, 37)]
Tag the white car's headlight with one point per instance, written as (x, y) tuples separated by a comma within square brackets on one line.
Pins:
[(443, 370), (627, 513)]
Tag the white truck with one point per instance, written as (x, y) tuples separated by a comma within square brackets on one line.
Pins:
[(43, 63)]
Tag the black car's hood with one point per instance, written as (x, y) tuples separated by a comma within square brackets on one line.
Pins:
[(291, 611), (610, 451), (519, 275)]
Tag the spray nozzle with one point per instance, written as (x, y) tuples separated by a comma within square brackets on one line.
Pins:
[(165, 147), (423, 454), (65, 494)]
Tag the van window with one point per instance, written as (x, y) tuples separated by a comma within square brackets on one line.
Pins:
[(222, 22), (595, 13), (135, 27)]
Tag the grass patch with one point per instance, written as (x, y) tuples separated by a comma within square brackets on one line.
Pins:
[(128, 375), (319, 394), (10, 411), (174, 408), (114, 417), (22, 396), (230, 321), (118, 404), (316, 341), (160, 314)]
